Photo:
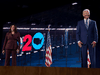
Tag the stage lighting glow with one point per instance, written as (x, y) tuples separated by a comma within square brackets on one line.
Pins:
[(70, 43), (53, 47), (48, 28), (69, 26), (10, 56), (74, 28), (67, 29), (37, 28), (43, 28), (62, 45), (66, 46), (43, 33), (33, 23), (70, 29), (73, 42), (6, 27), (26, 53), (74, 3), (60, 28), (35, 51), (20, 54), (29, 53), (42, 50), (57, 46), (61, 25), (9, 22), (53, 29), (17, 55), (23, 28)]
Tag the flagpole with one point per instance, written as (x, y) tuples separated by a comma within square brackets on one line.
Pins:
[(46, 63)]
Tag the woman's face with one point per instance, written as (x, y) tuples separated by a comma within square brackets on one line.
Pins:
[(12, 28)]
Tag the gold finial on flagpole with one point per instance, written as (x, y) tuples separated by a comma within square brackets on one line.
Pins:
[(49, 27)]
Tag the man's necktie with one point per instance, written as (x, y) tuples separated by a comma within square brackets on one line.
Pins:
[(86, 24)]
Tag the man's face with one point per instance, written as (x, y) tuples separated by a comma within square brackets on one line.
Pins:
[(86, 14)]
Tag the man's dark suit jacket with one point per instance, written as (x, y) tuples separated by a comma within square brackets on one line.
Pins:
[(10, 41), (87, 35)]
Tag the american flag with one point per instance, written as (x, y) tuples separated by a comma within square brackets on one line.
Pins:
[(88, 58), (48, 56)]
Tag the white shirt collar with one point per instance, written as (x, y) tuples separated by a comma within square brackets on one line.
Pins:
[(85, 21)]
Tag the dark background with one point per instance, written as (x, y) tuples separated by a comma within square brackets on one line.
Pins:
[(57, 13), (47, 11)]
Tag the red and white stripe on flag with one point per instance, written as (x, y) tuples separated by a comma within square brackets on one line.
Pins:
[(88, 58), (48, 60)]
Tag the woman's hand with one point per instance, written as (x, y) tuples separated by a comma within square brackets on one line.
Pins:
[(17, 51), (3, 51)]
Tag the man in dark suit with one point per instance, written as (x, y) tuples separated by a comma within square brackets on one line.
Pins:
[(87, 37)]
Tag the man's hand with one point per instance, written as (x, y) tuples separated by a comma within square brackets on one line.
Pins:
[(3, 51), (17, 51), (80, 44), (93, 44)]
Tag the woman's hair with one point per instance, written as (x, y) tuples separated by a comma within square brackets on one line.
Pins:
[(15, 30)]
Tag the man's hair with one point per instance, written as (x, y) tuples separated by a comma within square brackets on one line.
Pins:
[(87, 10)]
